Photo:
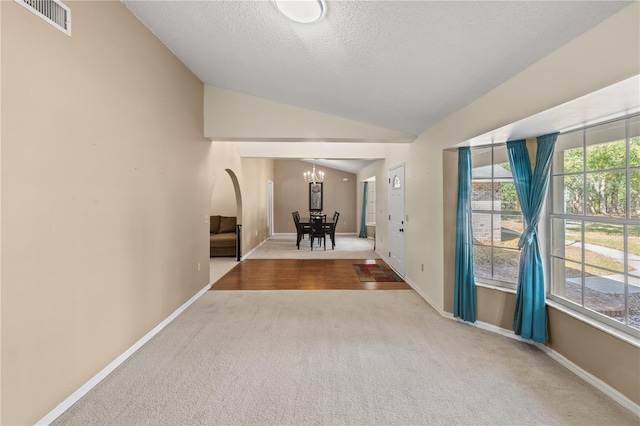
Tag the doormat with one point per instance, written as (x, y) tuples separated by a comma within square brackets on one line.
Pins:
[(376, 273)]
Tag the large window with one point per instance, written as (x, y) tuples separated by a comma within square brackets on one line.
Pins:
[(595, 222), (496, 217)]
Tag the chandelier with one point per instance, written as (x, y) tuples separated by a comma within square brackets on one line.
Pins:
[(313, 176)]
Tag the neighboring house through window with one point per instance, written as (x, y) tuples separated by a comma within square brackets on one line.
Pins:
[(593, 218), (496, 217)]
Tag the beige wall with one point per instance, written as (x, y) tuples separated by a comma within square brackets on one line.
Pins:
[(255, 201), (608, 358), (105, 192), (612, 360), (112, 209), (233, 116), (252, 176), (398, 154), (548, 83), (223, 199), (291, 193), (551, 82)]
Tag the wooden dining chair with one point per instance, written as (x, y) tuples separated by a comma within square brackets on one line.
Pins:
[(331, 229), (318, 231), (301, 229)]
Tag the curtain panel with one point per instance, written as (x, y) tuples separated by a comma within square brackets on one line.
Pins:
[(363, 219), (530, 317), (464, 298)]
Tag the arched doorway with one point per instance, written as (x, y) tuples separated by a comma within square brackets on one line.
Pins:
[(236, 188), (225, 213)]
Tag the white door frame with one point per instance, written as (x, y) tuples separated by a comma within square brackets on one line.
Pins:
[(396, 197)]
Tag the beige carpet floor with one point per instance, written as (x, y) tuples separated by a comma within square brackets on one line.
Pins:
[(333, 358), (284, 247)]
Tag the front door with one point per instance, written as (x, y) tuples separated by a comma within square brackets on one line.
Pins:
[(396, 219)]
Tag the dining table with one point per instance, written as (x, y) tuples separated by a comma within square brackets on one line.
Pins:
[(305, 222)]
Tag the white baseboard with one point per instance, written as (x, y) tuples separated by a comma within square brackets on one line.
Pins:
[(244, 256), (425, 297), (578, 371), (592, 380), (84, 389)]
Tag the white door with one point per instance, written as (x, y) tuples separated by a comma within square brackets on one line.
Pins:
[(396, 219)]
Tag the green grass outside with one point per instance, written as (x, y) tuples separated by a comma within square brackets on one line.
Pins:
[(608, 236)]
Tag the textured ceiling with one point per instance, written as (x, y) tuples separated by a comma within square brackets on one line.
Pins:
[(403, 65)]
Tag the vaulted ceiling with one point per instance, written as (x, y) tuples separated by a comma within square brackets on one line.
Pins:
[(401, 65)]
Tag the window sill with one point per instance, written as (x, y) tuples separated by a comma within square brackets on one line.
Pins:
[(495, 287), (626, 337)]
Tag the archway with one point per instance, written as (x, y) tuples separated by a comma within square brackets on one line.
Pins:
[(225, 213), (236, 188)]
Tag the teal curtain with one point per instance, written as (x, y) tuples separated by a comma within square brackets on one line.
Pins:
[(530, 318), (365, 201), (464, 298)]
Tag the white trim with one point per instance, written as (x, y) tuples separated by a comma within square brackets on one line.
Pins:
[(560, 359), (592, 380), (495, 287), (497, 330), (84, 389), (244, 256), (593, 322), (426, 298)]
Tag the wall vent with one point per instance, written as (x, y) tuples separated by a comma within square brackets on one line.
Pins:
[(52, 11)]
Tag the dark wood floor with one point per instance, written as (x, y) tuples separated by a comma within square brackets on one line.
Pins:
[(298, 274)]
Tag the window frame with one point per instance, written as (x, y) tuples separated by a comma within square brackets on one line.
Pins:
[(583, 218), (371, 203), (492, 281)]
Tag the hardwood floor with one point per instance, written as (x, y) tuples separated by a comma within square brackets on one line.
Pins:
[(300, 274)]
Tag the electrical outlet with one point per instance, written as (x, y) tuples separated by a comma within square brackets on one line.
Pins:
[(198, 266)]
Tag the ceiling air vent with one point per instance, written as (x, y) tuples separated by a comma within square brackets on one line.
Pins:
[(52, 11)]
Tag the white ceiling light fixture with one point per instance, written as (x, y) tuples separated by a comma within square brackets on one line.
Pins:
[(313, 177), (302, 11)]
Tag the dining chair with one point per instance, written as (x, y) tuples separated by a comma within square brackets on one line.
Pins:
[(332, 229), (301, 229), (318, 231)]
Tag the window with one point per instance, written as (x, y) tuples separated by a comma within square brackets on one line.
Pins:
[(496, 217), (371, 204), (595, 222)]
